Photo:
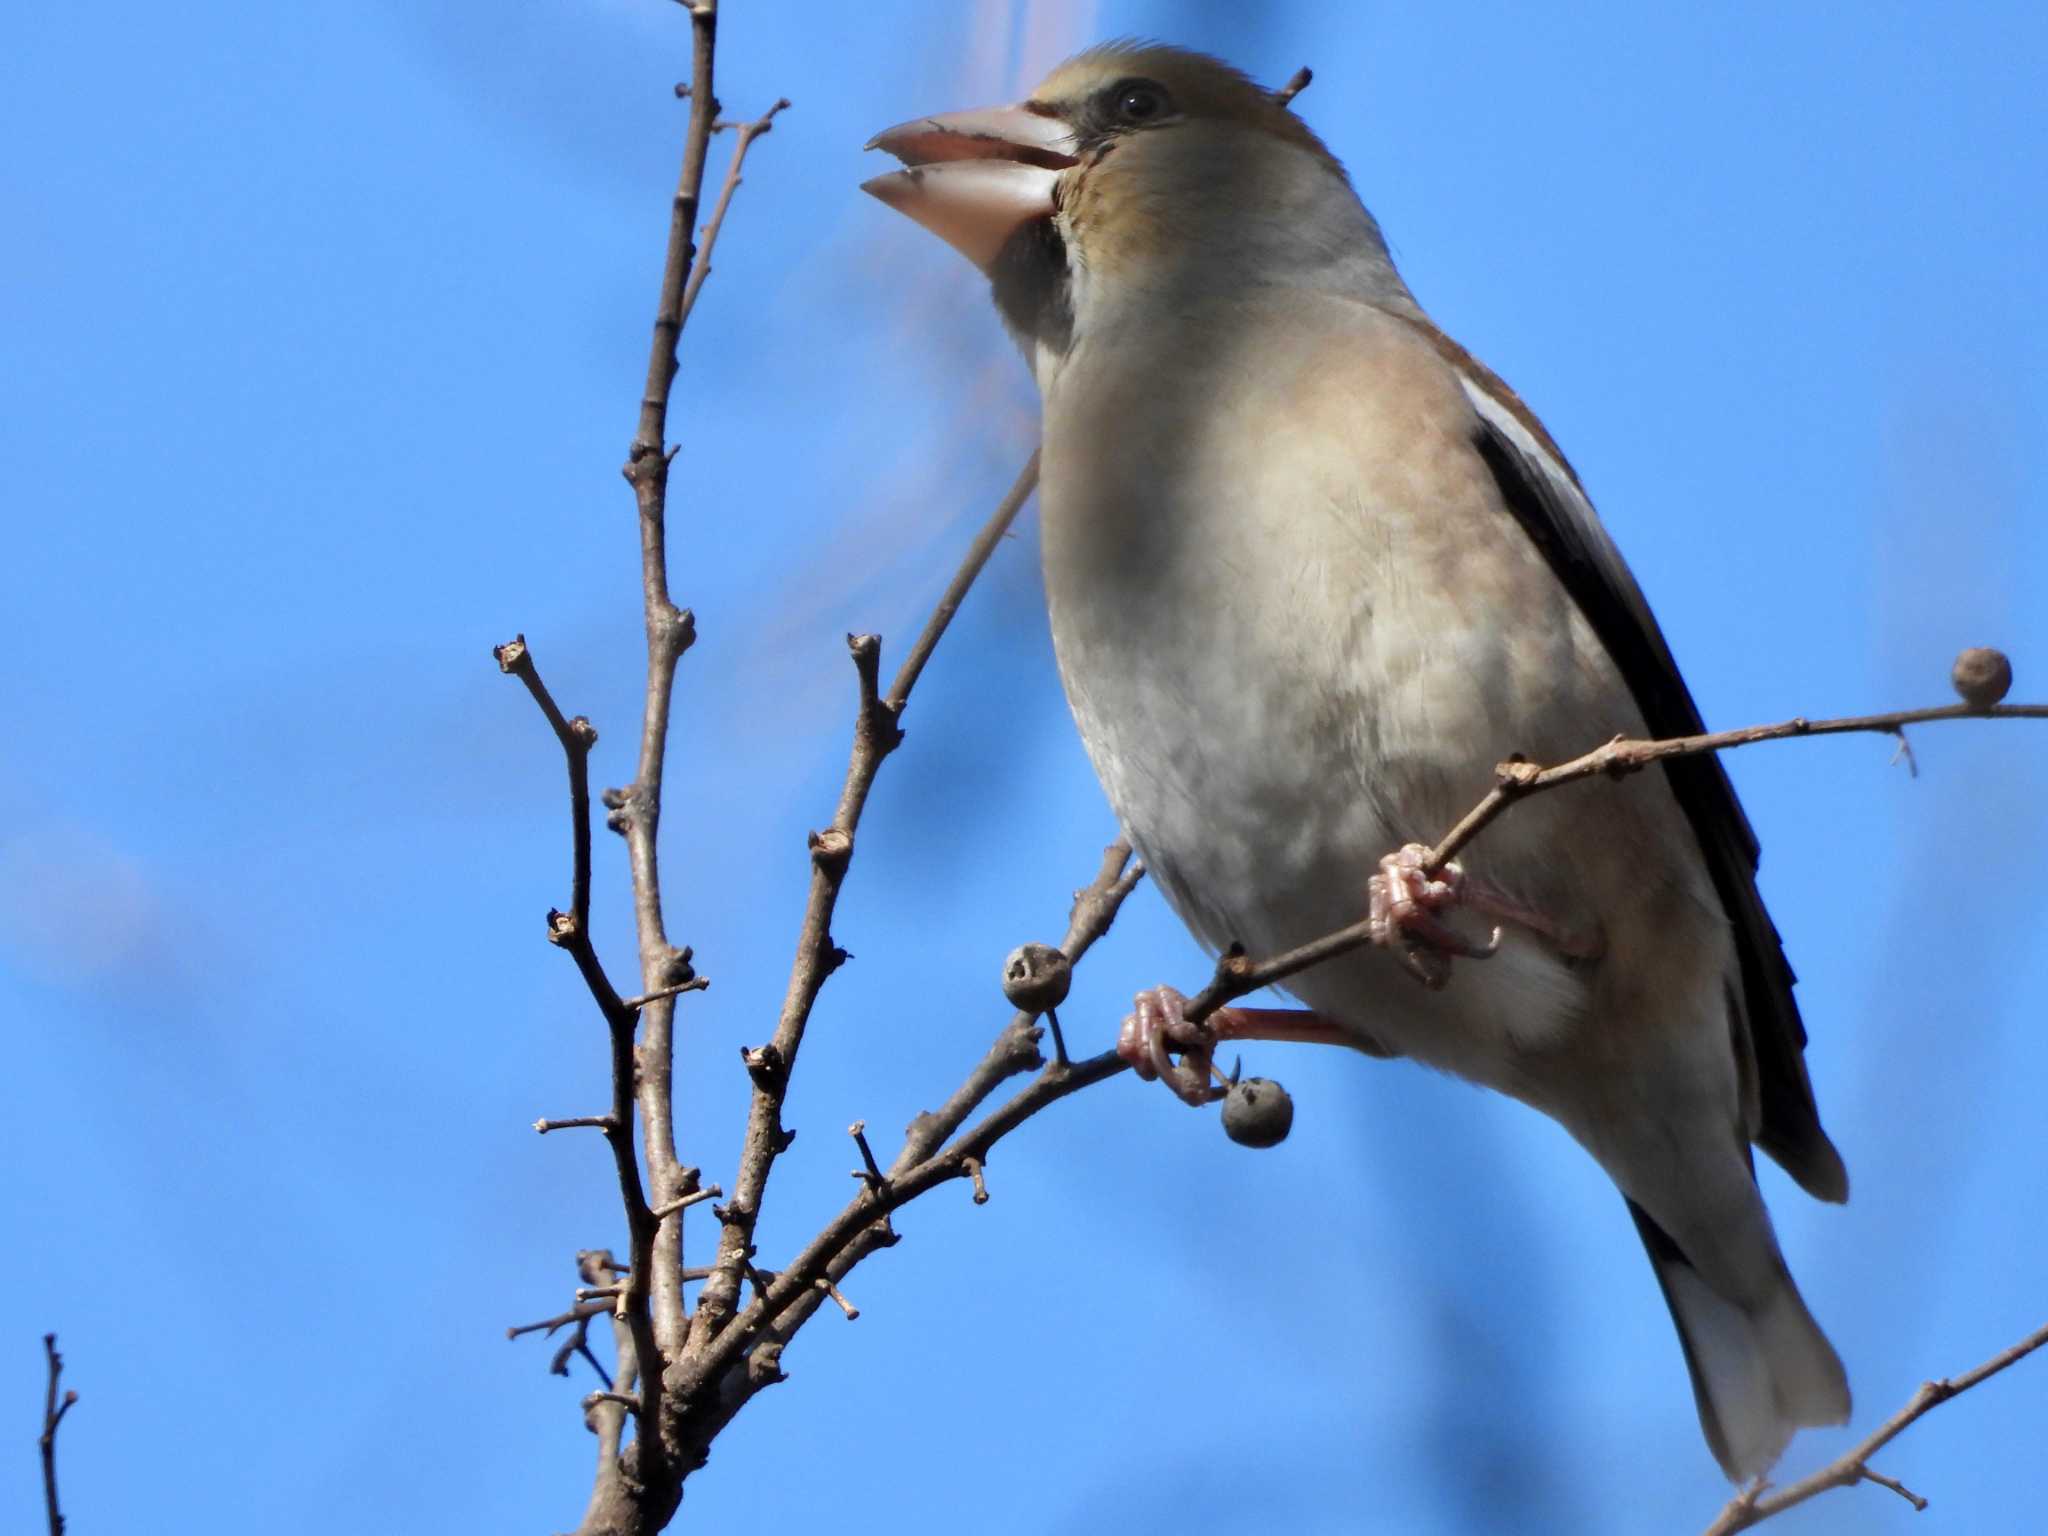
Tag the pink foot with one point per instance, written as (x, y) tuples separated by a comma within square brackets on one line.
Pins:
[(1158, 1027), (1402, 903)]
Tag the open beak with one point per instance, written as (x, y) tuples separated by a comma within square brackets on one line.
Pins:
[(972, 178)]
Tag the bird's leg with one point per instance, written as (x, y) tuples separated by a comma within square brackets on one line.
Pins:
[(1571, 943), (1158, 1026), (1402, 902)]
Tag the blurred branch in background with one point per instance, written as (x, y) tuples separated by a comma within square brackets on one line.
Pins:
[(682, 1373)]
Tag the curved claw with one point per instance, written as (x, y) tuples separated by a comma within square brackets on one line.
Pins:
[(1156, 1028), (1429, 930), (1427, 966), (1404, 899)]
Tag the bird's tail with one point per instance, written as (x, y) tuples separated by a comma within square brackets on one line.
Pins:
[(1760, 1370)]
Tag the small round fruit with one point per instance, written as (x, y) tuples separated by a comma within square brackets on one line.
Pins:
[(1036, 977), (1982, 676), (1257, 1112)]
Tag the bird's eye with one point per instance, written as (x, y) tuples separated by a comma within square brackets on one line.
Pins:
[(1139, 101)]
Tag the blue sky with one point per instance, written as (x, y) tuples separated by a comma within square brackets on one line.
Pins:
[(324, 328)]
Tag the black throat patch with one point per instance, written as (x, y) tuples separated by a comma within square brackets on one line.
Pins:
[(1032, 289)]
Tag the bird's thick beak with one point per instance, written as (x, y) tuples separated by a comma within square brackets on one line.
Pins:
[(972, 178)]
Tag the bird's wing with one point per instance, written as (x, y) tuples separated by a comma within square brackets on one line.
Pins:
[(1546, 499)]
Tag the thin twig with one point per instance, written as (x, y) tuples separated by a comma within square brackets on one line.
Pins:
[(694, 984), (579, 1318), (54, 1409), (616, 1499), (683, 1203), (569, 930), (1517, 780), (1296, 84), (578, 1342), (581, 1312), (876, 734), (580, 1345), (820, 1257), (649, 1320), (753, 1349), (862, 1226), (1237, 975), (746, 133), (984, 545), (646, 1075), (1016, 1049), (1753, 1507), (870, 1172), (852, 1312)]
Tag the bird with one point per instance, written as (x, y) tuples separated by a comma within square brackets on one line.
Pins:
[(1312, 571)]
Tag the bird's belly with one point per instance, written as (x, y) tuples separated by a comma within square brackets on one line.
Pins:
[(1261, 775)]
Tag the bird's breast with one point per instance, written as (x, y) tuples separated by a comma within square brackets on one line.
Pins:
[(1282, 662)]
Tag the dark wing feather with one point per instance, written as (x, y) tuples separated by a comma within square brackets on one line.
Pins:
[(1551, 509)]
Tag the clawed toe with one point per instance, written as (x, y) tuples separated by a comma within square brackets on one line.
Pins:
[(1159, 1026), (1403, 901)]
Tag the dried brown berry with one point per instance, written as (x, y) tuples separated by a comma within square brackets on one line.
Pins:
[(1982, 676), (1036, 977), (1257, 1112)]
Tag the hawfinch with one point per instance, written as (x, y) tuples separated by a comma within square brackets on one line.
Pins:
[(1313, 570)]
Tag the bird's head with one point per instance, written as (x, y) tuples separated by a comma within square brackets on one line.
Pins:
[(1131, 171)]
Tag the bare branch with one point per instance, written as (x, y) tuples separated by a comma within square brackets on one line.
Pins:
[(617, 1497), (791, 1297), (876, 734), (1296, 84), (1016, 1049), (700, 269), (852, 1312), (583, 1311), (54, 1409), (984, 545), (670, 632), (578, 1319), (683, 1203), (1753, 1506), (694, 984), (1516, 779), (649, 1316), (569, 930), (870, 1172), (1237, 975)]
